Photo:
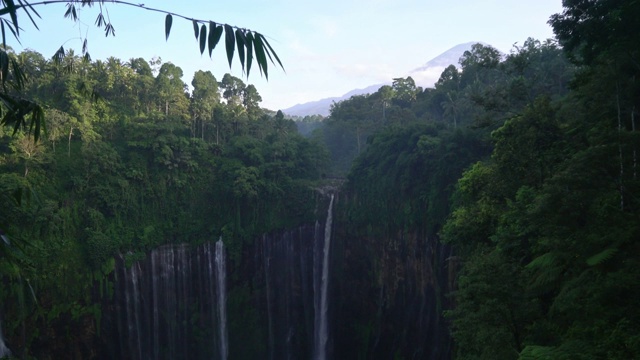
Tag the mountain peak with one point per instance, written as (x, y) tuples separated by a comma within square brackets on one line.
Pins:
[(424, 76), (449, 57), (427, 74)]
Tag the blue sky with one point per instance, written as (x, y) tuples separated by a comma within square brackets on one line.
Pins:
[(328, 47)]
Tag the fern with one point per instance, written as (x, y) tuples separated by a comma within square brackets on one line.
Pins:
[(602, 256), (543, 261), (535, 352), (547, 268)]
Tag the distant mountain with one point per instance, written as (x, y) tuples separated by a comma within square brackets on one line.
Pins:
[(322, 106), (428, 74), (425, 76), (448, 57)]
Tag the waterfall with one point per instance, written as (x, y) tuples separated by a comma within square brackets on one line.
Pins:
[(321, 333), (170, 304), (4, 350), (221, 279)]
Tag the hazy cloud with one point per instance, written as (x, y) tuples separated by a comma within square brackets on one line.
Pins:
[(427, 77)]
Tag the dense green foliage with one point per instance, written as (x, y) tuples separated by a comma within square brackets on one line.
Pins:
[(524, 164), (307, 124), (129, 161), (402, 185), (481, 94), (546, 227)]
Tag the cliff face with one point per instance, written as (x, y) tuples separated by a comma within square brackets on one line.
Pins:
[(390, 296)]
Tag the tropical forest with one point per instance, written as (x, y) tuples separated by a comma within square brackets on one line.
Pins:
[(496, 215)]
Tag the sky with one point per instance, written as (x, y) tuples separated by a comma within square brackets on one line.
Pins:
[(327, 47)]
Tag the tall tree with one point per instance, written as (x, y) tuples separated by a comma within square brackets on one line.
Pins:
[(204, 99), (233, 89), (405, 90), (251, 100), (171, 91)]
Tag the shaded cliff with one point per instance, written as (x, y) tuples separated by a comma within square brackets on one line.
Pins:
[(390, 296)]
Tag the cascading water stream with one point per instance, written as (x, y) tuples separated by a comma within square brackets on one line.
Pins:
[(171, 305), (4, 350), (221, 280), (321, 333)]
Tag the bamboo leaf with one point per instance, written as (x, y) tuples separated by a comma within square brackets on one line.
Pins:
[(260, 56), (37, 116), (26, 7), (215, 32), (229, 42), (168, 21), (4, 66), (30, 7), (203, 38), (11, 8), (196, 29), (59, 55), (19, 77), (240, 43), (100, 20), (4, 39), (17, 121), (109, 29), (13, 31), (272, 51), (249, 38), (71, 12)]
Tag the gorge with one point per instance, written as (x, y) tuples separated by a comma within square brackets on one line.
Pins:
[(172, 304)]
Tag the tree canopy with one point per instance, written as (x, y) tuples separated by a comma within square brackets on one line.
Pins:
[(19, 112)]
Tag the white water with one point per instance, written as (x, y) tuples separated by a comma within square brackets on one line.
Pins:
[(221, 277), (4, 350), (321, 327), (267, 268), (135, 277), (155, 300)]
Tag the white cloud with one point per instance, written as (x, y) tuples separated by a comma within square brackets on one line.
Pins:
[(427, 77)]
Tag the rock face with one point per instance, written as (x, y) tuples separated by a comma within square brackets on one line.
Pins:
[(391, 293), (290, 267)]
